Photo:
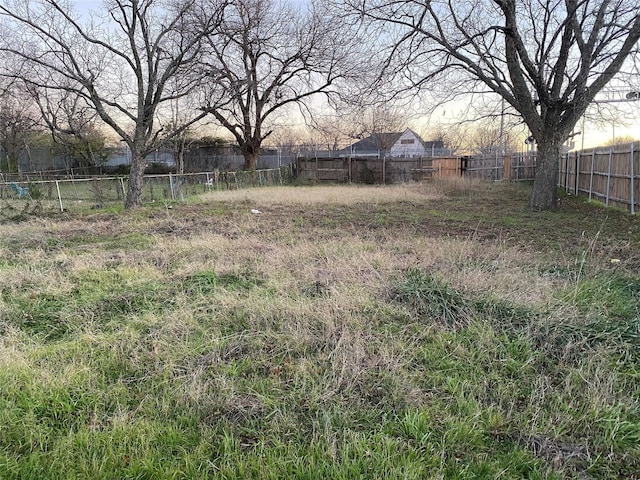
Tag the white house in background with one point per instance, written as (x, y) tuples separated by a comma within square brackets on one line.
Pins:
[(407, 144)]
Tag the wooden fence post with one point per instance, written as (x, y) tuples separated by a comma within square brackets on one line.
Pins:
[(577, 171), (506, 168), (633, 185), (384, 169), (609, 177), (593, 159)]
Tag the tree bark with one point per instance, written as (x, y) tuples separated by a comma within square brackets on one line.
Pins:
[(178, 156), (250, 160), (136, 181), (544, 195)]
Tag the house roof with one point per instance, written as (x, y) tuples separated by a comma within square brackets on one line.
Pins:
[(433, 144), (385, 141), (377, 141)]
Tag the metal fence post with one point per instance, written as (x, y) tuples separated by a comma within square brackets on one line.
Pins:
[(59, 196)]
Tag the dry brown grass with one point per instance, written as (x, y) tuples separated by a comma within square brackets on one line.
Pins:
[(328, 195)]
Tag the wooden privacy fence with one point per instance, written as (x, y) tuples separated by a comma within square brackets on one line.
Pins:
[(370, 170), (376, 170), (607, 174)]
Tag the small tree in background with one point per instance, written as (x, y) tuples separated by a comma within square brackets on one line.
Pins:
[(73, 124), (621, 140), (19, 124), (380, 123)]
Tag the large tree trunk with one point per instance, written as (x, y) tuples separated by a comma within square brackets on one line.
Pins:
[(250, 160), (178, 154), (136, 180), (178, 159), (544, 195)]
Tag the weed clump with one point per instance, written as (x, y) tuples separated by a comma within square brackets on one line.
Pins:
[(428, 296), (15, 214), (609, 308)]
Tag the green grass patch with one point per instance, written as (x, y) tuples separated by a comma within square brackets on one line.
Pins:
[(430, 297), (610, 305), (98, 300), (206, 282)]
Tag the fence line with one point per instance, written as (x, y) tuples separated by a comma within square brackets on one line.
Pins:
[(607, 174), (98, 192), (518, 166)]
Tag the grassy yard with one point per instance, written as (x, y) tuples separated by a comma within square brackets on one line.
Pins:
[(424, 331)]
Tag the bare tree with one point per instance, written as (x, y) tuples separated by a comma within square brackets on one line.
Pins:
[(546, 58), (620, 140), (287, 140), (177, 138), (73, 124), (491, 136), (19, 122), (381, 124), (352, 120), (453, 137), (268, 57), (121, 65), (331, 131)]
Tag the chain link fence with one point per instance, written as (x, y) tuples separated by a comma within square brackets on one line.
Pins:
[(102, 191)]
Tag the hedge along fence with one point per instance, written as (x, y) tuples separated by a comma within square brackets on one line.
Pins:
[(98, 192), (607, 174)]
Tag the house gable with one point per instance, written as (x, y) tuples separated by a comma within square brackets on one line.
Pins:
[(408, 145)]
